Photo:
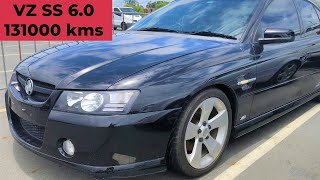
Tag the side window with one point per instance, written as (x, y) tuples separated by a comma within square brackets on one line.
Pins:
[(281, 14), (318, 11), (116, 11), (310, 18)]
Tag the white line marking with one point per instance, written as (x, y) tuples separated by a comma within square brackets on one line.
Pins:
[(9, 71), (235, 170), (2, 110)]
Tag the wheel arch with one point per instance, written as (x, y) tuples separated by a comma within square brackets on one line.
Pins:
[(232, 98), (228, 91)]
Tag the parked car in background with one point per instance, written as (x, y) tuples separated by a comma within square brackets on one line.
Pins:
[(171, 90), (124, 17)]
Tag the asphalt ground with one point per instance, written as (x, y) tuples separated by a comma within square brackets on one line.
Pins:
[(287, 148)]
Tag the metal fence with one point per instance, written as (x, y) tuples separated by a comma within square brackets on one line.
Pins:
[(12, 52), (125, 20)]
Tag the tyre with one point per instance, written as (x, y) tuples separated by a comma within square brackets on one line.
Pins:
[(201, 134), (317, 99), (124, 26), (114, 28)]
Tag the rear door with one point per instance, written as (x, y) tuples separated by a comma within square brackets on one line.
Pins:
[(310, 14), (282, 69)]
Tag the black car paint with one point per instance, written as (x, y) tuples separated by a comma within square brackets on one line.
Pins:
[(168, 69)]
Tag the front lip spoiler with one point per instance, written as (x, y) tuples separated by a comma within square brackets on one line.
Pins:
[(121, 171)]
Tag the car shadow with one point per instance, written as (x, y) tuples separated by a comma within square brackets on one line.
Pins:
[(39, 168)]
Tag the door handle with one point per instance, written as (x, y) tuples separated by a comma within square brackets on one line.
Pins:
[(306, 57), (246, 81), (309, 55)]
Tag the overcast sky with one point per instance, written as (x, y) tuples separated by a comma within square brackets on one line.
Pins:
[(141, 2)]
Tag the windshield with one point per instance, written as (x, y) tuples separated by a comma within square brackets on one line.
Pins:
[(224, 17)]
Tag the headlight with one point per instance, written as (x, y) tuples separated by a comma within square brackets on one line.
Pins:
[(92, 102), (96, 102), (14, 81)]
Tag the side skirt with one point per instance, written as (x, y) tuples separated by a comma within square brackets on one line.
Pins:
[(268, 117)]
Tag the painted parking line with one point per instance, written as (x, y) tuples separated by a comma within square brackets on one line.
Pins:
[(2, 110), (236, 169)]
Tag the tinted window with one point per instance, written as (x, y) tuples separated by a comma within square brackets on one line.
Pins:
[(116, 10), (281, 14), (127, 10), (228, 17), (309, 17)]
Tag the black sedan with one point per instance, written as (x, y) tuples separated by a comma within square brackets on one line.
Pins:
[(170, 91)]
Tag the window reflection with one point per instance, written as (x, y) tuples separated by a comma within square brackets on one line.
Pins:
[(281, 14), (309, 17)]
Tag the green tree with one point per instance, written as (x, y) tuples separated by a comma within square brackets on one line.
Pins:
[(157, 4), (131, 2), (160, 4)]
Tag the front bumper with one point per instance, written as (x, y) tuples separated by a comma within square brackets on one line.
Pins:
[(112, 146)]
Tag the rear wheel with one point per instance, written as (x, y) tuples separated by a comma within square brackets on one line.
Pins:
[(124, 26), (201, 134)]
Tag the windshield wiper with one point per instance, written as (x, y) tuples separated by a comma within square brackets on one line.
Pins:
[(211, 34), (200, 33), (156, 29)]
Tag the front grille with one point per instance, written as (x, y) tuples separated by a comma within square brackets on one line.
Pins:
[(31, 133), (33, 130), (41, 91)]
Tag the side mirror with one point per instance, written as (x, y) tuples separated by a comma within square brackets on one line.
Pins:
[(275, 36)]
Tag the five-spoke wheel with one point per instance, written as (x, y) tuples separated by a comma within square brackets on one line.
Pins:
[(201, 134), (206, 133)]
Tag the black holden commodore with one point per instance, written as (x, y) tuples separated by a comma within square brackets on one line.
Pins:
[(170, 91)]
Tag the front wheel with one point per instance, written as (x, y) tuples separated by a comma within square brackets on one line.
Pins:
[(202, 134)]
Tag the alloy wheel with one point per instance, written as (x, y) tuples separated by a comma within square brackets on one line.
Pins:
[(206, 133)]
